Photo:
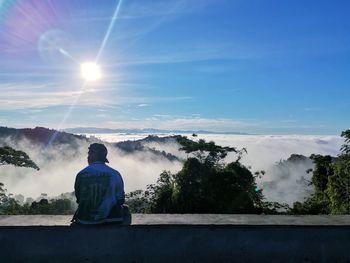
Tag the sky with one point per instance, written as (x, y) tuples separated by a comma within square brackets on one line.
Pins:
[(254, 66)]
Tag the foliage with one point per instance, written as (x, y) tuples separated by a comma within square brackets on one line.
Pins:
[(9, 155), (346, 147), (339, 183), (206, 184), (9, 206), (314, 205), (138, 201), (318, 202), (44, 207), (161, 194), (214, 152), (322, 171), (274, 208), (331, 180), (53, 207), (339, 187)]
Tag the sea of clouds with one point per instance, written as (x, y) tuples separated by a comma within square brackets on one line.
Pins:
[(59, 165), (286, 184)]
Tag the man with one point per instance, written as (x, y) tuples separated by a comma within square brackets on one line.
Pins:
[(99, 190)]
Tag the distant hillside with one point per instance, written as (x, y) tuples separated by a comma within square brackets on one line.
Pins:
[(142, 131), (40, 135), (44, 137), (296, 159), (130, 147)]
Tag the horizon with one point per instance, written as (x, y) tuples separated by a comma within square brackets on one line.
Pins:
[(168, 132), (261, 68)]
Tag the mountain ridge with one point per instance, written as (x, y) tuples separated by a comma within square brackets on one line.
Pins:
[(48, 137), (142, 131)]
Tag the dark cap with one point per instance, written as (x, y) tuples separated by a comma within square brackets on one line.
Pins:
[(100, 150)]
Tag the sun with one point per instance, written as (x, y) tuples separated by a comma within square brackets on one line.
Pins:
[(90, 71)]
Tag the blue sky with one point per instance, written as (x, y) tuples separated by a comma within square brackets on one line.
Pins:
[(256, 66)]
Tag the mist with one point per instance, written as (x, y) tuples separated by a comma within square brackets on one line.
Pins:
[(285, 183), (59, 164)]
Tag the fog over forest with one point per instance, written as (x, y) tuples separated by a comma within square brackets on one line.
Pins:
[(60, 164)]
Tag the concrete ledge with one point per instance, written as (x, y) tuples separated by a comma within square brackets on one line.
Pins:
[(187, 219), (194, 241)]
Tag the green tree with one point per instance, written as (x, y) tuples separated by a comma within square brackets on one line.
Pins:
[(161, 194), (318, 202), (11, 156), (338, 188), (61, 207), (138, 201), (206, 184), (331, 181), (346, 146), (322, 171)]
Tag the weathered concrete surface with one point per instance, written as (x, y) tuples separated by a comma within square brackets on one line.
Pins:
[(188, 219), (178, 238)]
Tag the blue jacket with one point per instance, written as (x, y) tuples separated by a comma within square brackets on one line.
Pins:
[(99, 190)]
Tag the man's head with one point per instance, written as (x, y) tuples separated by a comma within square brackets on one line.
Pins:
[(97, 153)]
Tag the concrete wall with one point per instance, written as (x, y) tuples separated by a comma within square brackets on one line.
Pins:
[(175, 243)]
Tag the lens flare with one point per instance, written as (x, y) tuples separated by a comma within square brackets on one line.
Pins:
[(90, 71)]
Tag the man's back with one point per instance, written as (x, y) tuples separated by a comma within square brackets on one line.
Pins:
[(99, 190)]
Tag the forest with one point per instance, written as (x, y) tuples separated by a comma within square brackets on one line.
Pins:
[(208, 184)]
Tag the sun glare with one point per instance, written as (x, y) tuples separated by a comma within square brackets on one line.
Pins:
[(90, 71)]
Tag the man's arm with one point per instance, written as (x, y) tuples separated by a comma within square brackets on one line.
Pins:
[(120, 194), (77, 188)]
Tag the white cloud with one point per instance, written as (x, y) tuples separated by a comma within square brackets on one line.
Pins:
[(143, 168), (60, 164), (143, 105), (264, 151), (31, 96), (164, 121), (20, 96), (207, 123)]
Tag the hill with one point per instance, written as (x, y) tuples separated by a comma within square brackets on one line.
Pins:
[(60, 140), (40, 135)]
